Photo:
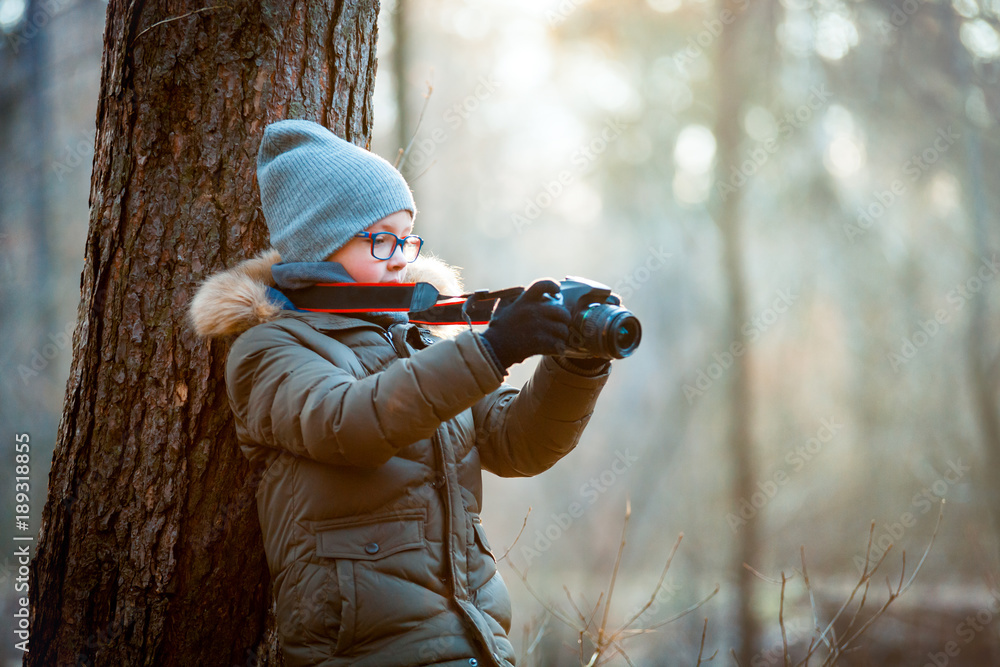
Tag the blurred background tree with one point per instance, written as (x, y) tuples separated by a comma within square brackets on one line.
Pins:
[(854, 148)]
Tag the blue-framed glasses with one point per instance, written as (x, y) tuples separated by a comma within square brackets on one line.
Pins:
[(384, 244)]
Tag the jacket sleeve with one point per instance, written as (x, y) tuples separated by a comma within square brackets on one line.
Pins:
[(287, 396), (522, 433)]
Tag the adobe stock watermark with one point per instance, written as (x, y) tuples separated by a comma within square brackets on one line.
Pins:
[(33, 23), (927, 498), (713, 28), (562, 11), (589, 492), (797, 457), (752, 329), (899, 16), (581, 159), (642, 274), (957, 297), (40, 360), (966, 631), (73, 156), (758, 156), (915, 167), (454, 116)]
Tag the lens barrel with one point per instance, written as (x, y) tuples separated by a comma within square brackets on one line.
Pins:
[(606, 330)]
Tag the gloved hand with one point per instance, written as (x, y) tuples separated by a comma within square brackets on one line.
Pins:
[(531, 324)]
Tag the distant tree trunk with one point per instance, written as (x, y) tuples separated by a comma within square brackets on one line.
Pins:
[(728, 134), (400, 58), (150, 551), (983, 359)]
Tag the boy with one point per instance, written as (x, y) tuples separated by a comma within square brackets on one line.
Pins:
[(374, 439)]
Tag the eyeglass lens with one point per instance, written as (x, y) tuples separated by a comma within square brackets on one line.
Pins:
[(384, 244)]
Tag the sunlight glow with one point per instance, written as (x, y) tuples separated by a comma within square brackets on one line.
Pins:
[(11, 12), (759, 124), (691, 189), (470, 23), (844, 156), (608, 86), (664, 6), (525, 57), (695, 149), (945, 193), (580, 205), (981, 39), (966, 8), (796, 33), (835, 36), (976, 108), (845, 153)]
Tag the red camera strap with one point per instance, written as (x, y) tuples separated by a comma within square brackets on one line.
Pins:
[(421, 301)]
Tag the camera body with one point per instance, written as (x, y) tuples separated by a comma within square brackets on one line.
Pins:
[(599, 325)]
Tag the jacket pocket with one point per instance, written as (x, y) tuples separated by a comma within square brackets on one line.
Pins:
[(477, 524), (489, 592), (372, 556)]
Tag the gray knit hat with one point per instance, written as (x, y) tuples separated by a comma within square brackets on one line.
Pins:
[(317, 191)]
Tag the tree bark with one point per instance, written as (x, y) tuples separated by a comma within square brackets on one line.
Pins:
[(150, 551)]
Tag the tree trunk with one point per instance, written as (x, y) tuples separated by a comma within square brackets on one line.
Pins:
[(727, 131), (400, 61), (982, 358), (150, 550)]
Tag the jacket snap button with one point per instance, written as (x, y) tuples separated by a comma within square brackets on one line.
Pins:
[(473, 662), (371, 548)]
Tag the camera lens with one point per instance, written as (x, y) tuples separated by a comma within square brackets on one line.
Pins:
[(627, 333), (608, 331)]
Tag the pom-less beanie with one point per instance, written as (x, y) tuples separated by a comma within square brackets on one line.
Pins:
[(318, 191)]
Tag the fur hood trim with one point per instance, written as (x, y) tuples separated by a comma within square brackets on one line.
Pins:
[(232, 301)]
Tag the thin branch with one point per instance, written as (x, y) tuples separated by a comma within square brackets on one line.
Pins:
[(865, 577), (523, 526), (418, 176), (659, 584), (614, 574), (621, 650), (178, 18), (583, 619), (781, 623), (596, 608), (857, 612), (930, 544), (401, 158), (538, 637), (547, 607), (900, 588), (701, 649), (760, 576), (812, 599), (687, 611)]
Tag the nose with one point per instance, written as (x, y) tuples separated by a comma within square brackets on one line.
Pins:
[(396, 261)]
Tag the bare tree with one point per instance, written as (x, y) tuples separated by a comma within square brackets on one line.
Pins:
[(149, 550)]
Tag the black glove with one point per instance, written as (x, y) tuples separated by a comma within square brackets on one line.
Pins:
[(533, 323)]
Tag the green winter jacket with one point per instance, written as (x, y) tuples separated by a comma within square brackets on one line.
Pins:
[(369, 504)]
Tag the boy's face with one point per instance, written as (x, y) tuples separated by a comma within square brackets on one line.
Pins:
[(356, 257)]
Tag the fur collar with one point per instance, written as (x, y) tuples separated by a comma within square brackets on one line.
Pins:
[(232, 301)]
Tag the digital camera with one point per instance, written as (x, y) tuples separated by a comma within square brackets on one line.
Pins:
[(599, 325)]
